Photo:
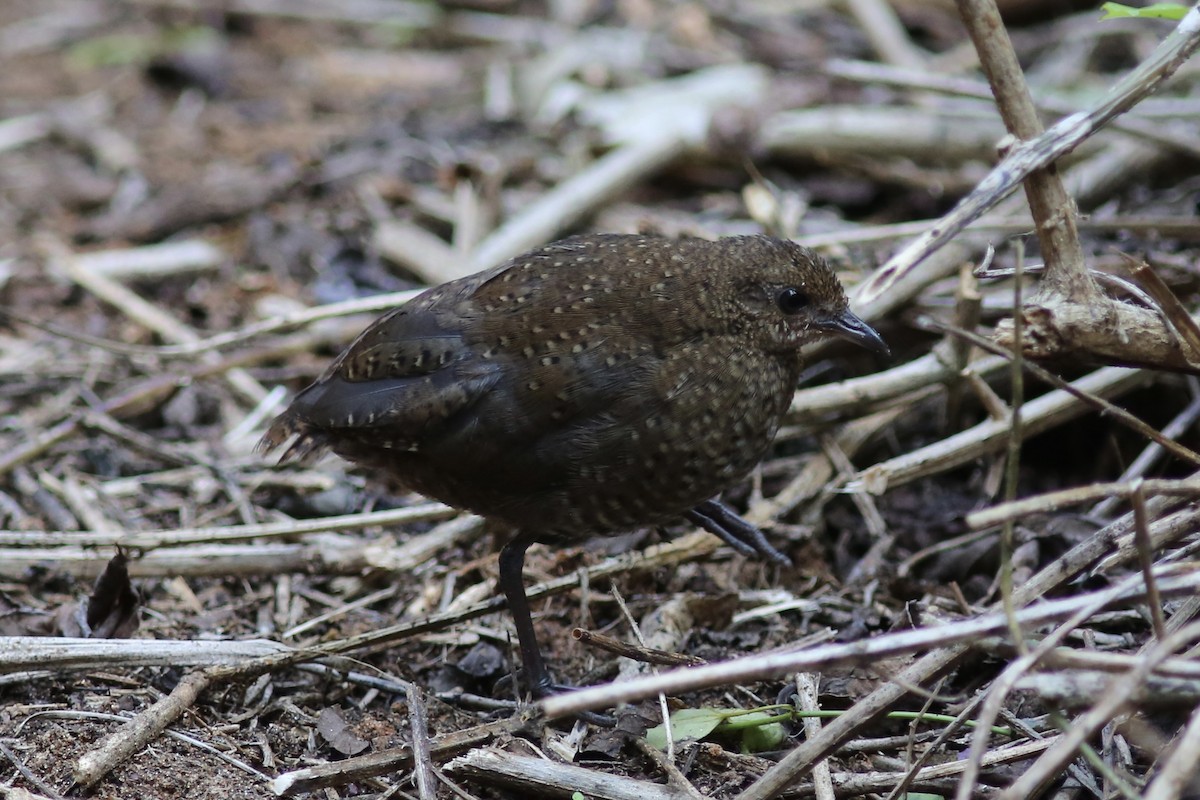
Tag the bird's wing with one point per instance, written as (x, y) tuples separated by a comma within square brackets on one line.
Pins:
[(396, 383)]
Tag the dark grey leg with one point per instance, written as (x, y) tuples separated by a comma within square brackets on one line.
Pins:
[(720, 520)]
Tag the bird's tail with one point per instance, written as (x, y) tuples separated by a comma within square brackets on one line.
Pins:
[(310, 441)]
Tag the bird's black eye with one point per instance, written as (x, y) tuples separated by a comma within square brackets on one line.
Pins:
[(792, 300)]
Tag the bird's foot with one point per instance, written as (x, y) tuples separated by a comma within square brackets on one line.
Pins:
[(720, 520), (546, 687)]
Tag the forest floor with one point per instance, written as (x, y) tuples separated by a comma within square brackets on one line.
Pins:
[(181, 182)]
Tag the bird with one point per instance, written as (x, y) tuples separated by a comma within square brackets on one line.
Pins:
[(594, 385)]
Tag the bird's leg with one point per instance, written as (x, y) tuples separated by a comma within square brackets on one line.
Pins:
[(512, 562), (720, 520)]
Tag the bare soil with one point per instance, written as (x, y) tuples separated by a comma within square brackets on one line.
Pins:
[(289, 141)]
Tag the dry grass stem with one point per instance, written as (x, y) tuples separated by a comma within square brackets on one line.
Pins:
[(203, 205), (761, 666)]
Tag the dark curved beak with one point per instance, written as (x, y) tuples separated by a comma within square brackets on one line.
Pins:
[(849, 326)]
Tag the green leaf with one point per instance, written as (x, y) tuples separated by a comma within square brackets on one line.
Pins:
[(755, 728), (765, 732), (738, 719), (687, 723), (578, 795), (1152, 11)]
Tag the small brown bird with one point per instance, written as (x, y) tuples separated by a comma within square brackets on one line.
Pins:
[(594, 385)]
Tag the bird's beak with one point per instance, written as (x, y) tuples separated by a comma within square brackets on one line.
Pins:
[(847, 325)]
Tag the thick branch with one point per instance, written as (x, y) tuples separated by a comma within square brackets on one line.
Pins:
[(1052, 208)]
